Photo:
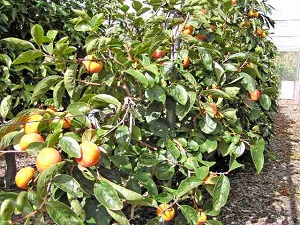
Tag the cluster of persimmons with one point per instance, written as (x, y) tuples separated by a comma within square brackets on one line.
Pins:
[(49, 156)]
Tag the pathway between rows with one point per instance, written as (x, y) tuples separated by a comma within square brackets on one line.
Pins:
[(273, 196)]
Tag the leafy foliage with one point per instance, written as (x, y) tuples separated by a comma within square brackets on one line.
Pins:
[(153, 119)]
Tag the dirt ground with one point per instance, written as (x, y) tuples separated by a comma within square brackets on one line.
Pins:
[(273, 196)]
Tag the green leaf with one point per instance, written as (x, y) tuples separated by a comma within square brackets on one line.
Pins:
[(202, 172), (90, 135), (58, 94), (164, 170), (252, 71), (122, 162), (154, 221), (146, 180), (240, 149), (231, 91), (5, 106), (96, 214), (62, 214), (137, 5), (183, 110), (119, 216), (214, 222), (179, 93), (81, 13), (83, 25), (257, 153), (156, 93), (191, 79), (221, 192), (68, 184), (18, 43), (123, 135), (70, 146), (215, 93), (208, 125), (248, 82), (234, 164), (6, 211), (209, 146), (43, 86), (239, 56), (52, 34), (27, 57), (69, 79), (219, 71), (189, 213), (107, 195), (13, 196), (131, 196), (187, 185), (206, 58), (107, 99), (138, 76), (172, 148), (52, 139), (7, 139), (159, 128), (37, 33), (265, 101), (230, 67), (154, 111), (152, 68), (5, 58), (230, 114), (45, 178)]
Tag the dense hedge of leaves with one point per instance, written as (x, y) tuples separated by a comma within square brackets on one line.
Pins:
[(162, 127)]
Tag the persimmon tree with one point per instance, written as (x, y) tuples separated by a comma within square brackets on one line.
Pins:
[(169, 104)]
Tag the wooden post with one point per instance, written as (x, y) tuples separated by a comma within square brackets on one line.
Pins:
[(11, 169)]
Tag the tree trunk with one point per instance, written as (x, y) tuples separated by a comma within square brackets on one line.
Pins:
[(11, 169)]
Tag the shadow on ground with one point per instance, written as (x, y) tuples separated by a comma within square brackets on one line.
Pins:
[(271, 197)]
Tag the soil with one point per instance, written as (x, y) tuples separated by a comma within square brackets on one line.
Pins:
[(271, 197)]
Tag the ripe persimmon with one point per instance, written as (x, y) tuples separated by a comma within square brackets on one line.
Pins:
[(250, 13), (67, 119), (158, 54), (201, 37), (90, 154), (92, 66), (203, 11), (202, 218), (214, 108), (186, 62), (255, 14), (254, 96), (166, 212), (46, 158), (32, 124), (259, 31), (23, 177), (234, 2), (263, 35), (27, 139), (188, 29)]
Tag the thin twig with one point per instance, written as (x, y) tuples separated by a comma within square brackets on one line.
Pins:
[(12, 151), (147, 145)]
